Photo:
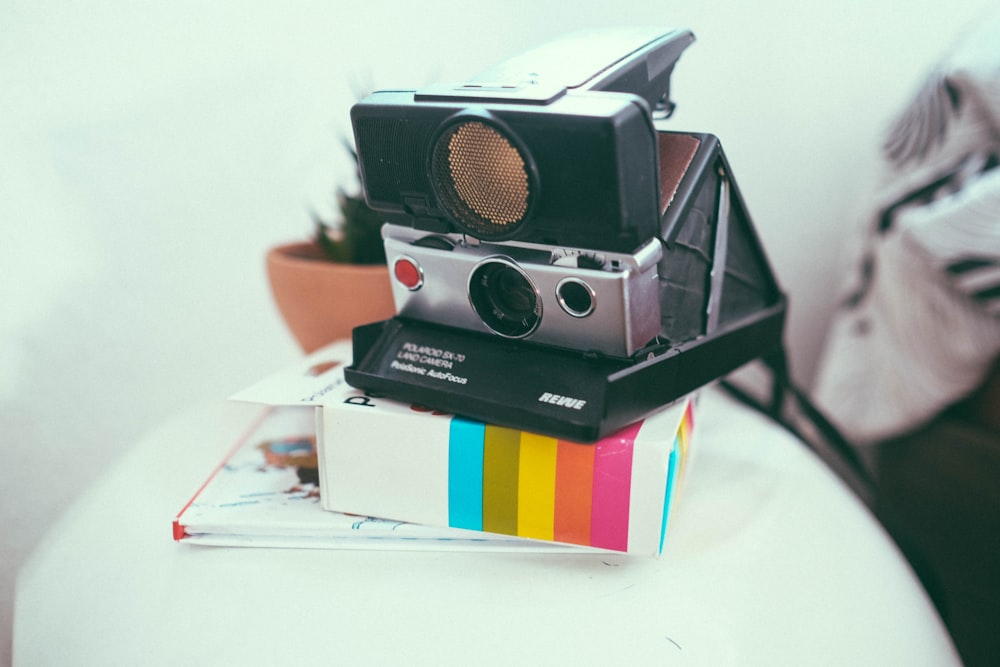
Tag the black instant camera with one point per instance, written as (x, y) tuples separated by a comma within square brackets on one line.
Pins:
[(560, 262)]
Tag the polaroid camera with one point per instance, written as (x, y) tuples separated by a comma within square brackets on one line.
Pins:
[(560, 263)]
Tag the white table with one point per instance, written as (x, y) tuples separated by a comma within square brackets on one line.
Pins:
[(769, 561)]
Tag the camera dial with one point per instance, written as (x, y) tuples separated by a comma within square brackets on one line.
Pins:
[(505, 298)]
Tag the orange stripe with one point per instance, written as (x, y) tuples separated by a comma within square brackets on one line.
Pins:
[(574, 491), (684, 437)]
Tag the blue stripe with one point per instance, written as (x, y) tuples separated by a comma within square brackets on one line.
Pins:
[(465, 474), (671, 474)]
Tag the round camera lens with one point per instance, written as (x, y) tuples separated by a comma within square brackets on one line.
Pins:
[(504, 298), (513, 293), (575, 296)]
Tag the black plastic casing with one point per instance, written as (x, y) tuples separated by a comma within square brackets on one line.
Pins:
[(591, 159), (578, 110)]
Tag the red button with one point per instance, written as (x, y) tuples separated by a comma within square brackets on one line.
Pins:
[(408, 273)]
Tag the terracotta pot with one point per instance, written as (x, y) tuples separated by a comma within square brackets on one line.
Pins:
[(322, 301)]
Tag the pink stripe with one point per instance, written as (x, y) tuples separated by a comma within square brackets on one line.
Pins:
[(612, 484)]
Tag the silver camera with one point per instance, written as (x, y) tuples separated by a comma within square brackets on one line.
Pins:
[(601, 302)]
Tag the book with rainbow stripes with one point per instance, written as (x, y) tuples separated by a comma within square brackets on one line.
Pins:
[(379, 457)]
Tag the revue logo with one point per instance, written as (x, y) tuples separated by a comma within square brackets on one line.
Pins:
[(563, 401)]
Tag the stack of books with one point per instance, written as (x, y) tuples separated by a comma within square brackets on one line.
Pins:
[(325, 466)]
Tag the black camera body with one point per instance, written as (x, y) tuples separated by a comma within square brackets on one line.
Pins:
[(537, 149), (583, 177), (560, 262)]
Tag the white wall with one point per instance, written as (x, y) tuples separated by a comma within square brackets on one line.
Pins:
[(152, 151)]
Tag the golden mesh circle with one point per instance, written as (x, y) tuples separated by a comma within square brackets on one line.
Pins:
[(488, 176)]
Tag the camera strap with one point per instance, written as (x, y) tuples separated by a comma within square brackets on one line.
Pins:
[(791, 408)]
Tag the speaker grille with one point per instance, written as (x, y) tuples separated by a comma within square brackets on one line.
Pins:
[(482, 179), (399, 145)]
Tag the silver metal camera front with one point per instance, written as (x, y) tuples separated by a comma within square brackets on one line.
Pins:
[(625, 290)]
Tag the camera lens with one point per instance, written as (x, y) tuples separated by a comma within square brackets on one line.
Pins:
[(504, 298), (575, 296)]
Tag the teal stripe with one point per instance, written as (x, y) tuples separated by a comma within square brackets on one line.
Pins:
[(465, 474), (672, 468)]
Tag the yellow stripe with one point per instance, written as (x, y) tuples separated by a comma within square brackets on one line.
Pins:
[(536, 487), (500, 462)]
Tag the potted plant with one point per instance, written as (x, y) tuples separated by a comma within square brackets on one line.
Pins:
[(337, 280)]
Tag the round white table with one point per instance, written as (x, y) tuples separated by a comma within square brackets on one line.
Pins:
[(769, 561)]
